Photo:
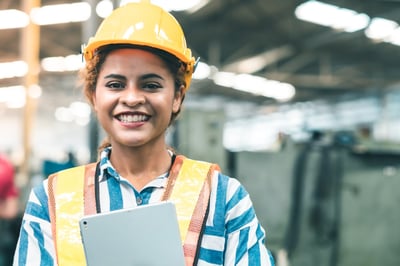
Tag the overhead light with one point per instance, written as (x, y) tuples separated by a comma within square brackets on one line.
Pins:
[(52, 64), (13, 69), (13, 96), (173, 5), (12, 19), (395, 37), (282, 92), (256, 85), (332, 16), (202, 71), (80, 109), (197, 7), (258, 62), (35, 91), (381, 29), (63, 114), (177, 5), (225, 79), (78, 112), (349, 20), (377, 29), (62, 13), (81, 11), (104, 8), (317, 12), (261, 86), (61, 64)]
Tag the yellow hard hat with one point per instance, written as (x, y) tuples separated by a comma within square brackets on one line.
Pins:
[(144, 24)]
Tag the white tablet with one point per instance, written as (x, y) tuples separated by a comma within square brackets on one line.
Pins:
[(146, 235)]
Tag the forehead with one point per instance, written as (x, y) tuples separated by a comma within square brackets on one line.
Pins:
[(129, 61), (134, 56)]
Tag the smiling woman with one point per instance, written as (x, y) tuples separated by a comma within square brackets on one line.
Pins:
[(136, 82), (135, 97)]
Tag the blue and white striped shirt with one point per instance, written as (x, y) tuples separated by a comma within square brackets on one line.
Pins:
[(233, 235)]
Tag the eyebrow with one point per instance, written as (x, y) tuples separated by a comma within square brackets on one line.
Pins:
[(146, 76), (115, 76), (152, 75)]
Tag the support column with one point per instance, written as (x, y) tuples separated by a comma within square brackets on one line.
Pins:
[(88, 30), (29, 45)]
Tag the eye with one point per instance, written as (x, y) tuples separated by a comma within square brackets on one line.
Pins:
[(151, 86), (115, 85)]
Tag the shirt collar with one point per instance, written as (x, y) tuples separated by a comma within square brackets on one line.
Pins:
[(107, 170), (106, 166)]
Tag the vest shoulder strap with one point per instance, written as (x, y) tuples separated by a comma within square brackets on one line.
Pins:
[(189, 180)]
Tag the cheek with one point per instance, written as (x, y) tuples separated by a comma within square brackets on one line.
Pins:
[(98, 103)]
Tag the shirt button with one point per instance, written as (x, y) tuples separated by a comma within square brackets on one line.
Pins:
[(139, 200)]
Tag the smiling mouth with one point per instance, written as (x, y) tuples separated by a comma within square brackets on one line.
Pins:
[(133, 118)]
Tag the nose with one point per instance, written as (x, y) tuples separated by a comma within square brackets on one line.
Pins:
[(132, 96)]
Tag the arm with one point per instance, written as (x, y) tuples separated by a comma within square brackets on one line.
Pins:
[(245, 236), (35, 244)]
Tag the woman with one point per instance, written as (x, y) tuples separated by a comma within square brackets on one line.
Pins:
[(138, 70)]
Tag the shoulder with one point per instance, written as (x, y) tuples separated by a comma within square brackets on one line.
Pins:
[(229, 192), (227, 183), (229, 199), (224, 185), (75, 169)]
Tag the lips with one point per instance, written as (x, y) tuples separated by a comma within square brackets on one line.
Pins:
[(132, 118)]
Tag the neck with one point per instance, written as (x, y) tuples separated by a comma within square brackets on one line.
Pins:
[(140, 167)]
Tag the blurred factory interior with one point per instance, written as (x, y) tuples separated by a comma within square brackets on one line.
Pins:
[(299, 100)]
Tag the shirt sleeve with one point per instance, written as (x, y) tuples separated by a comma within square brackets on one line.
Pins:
[(35, 244), (245, 235)]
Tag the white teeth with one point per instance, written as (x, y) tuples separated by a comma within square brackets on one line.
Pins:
[(132, 118)]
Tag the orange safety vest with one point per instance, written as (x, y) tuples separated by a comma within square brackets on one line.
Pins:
[(71, 196)]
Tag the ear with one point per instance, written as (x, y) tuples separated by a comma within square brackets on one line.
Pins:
[(178, 98)]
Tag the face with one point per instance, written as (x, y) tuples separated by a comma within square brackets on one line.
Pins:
[(135, 97)]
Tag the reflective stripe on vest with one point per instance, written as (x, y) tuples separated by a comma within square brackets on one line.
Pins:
[(70, 192), (68, 208), (194, 181)]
